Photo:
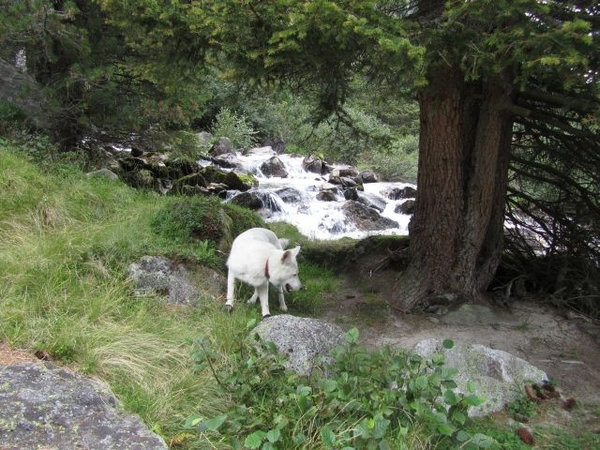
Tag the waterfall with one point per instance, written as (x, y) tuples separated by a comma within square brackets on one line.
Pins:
[(293, 199)]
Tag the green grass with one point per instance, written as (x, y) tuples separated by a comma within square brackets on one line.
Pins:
[(66, 242)]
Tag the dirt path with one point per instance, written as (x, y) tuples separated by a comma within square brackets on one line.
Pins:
[(565, 346)]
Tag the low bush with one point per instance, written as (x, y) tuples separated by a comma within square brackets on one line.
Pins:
[(362, 400)]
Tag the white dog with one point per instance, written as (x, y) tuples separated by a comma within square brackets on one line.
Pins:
[(258, 257)]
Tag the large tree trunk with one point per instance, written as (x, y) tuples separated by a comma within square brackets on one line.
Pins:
[(457, 229)]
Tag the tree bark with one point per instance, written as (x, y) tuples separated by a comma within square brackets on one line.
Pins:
[(457, 228)]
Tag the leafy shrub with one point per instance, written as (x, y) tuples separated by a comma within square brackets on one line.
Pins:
[(11, 117), (194, 219), (363, 400), (399, 163), (236, 127)]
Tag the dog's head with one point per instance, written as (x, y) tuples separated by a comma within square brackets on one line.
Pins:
[(285, 272)]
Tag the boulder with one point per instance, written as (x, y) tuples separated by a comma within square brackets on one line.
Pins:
[(344, 172), (155, 275), (497, 376), (226, 160), (327, 196), (368, 176), (250, 200), (351, 194), (301, 339), (273, 167), (314, 164), (406, 207), (103, 173), (346, 182), (45, 406), (400, 193), (365, 218), (289, 195), (204, 138), (222, 146), (231, 179), (371, 201)]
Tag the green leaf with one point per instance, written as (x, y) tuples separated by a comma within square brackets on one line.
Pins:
[(380, 426), (446, 429), (362, 429), (254, 440), (352, 336), (212, 424), (483, 441), (450, 397), (329, 386), (459, 417), (462, 436), (327, 436), (421, 382), (474, 400), (273, 435), (448, 344), (192, 421)]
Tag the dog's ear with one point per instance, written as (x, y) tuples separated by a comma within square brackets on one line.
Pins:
[(289, 254)]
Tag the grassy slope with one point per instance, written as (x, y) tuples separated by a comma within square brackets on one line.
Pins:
[(65, 244)]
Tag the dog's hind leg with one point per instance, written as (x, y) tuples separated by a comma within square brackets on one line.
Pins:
[(282, 305), (263, 294), (230, 291), (252, 300)]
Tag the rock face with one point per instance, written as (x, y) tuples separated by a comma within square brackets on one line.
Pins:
[(46, 407), (301, 339), (274, 168), (497, 375), (155, 275), (365, 218)]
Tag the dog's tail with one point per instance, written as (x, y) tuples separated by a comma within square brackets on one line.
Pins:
[(284, 242)]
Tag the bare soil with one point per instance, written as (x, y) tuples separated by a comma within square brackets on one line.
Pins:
[(564, 344)]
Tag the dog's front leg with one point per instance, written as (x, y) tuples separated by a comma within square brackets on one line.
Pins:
[(230, 291), (263, 294), (282, 305)]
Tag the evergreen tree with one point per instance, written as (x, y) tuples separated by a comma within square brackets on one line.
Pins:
[(480, 70)]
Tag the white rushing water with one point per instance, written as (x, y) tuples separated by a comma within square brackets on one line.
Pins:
[(323, 220)]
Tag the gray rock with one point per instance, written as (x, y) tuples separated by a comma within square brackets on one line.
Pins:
[(301, 339), (406, 207), (471, 314), (365, 218), (155, 275), (497, 375), (103, 173), (274, 167), (204, 138), (44, 406), (222, 146)]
